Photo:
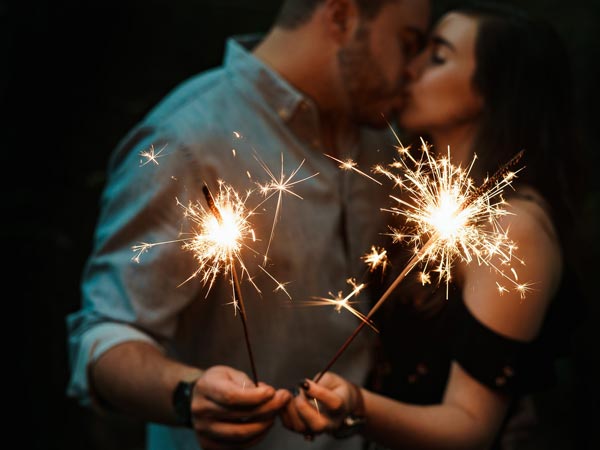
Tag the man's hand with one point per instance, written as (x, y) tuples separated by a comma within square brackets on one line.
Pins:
[(230, 411)]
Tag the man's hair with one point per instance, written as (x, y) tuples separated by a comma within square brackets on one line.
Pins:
[(294, 13)]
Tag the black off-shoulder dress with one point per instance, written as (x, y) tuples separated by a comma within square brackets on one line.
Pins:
[(417, 348)]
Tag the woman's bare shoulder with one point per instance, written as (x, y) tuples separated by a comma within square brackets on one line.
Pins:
[(512, 298)]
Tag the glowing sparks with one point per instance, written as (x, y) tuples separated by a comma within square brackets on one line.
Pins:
[(443, 205), (278, 286), (220, 232), (278, 186), (223, 229), (376, 258), (349, 164), (340, 301), (523, 289), (424, 278), (151, 155)]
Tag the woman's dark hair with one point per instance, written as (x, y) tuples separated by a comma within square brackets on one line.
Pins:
[(523, 72)]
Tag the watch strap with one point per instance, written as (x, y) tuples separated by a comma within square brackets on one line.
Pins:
[(182, 402)]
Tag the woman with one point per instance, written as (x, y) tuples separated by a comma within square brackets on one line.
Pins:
[(490, 81)]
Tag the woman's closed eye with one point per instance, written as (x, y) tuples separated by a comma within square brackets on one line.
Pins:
[(436, 58)]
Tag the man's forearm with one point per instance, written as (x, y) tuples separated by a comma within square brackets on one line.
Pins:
[(136, 378)]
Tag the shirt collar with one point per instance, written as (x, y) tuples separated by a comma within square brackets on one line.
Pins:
[(258, 80)]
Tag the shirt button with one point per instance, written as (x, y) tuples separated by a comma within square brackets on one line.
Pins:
[(284, 113)]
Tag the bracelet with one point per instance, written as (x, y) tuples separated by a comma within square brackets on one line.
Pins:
[(354, 422)]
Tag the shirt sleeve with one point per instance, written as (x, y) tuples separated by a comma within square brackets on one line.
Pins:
[(124, 300)]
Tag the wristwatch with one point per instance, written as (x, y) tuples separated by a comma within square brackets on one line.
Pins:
[(354, 422), (182, 402)]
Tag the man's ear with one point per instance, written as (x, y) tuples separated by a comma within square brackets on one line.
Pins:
[(341, 17)]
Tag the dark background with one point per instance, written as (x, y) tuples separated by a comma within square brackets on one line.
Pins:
[(75, 76)]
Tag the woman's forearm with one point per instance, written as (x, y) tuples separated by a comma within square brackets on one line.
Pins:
[(404, 426)]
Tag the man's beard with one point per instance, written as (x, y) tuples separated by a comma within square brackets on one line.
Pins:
[(363, 80)]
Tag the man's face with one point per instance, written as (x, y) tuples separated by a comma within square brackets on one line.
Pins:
[(372, 64)]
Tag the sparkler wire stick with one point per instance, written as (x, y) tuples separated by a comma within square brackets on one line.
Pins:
[(236, 284), (238, 294), (411, 264)]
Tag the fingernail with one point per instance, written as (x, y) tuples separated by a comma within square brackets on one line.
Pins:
[(304, 385), (294, 391)]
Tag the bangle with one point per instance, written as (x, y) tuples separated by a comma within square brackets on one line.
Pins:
[(354, 422), (359, 408)]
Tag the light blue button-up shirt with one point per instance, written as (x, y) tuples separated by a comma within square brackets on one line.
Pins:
[(215, 127)]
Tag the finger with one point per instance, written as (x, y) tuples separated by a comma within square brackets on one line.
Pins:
[(245, 414), (294, 422), (228, 393), (331, 400), (315, 421)]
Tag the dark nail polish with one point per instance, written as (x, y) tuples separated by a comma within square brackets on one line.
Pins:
[(304, 385)]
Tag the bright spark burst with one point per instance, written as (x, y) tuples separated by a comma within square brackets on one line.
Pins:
[(341, 301), (151, 155), (223, 230), (220, 233), (455, 218)]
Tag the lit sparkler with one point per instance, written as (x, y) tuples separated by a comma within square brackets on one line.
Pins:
[(222, 229), (451, 217), (230, 228), (221, 232)]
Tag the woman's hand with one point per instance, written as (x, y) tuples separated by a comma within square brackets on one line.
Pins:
[(323, 407)]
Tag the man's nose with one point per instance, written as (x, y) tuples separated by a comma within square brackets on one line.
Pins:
[(414, 68)]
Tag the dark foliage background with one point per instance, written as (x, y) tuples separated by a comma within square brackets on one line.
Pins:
[(74, 77)]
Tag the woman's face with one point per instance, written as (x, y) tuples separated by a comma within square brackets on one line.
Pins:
[(440, 95)]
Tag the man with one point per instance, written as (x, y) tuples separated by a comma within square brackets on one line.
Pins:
[(146, 344)]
